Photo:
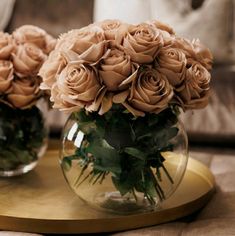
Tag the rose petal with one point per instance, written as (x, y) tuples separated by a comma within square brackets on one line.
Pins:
[(19, 100), (133, 110), (4, 85), (96, 103), (106, 103), (111, 79), (121, 97), (94, 53)]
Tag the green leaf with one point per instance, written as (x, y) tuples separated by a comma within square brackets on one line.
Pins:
[(135, 153), (67, 161), (122, 187), (118, 132), (106, 158), (149, 184), (22, 132), (66, 164), (87, 127), (126, 181)]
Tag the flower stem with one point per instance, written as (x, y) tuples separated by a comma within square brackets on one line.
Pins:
[(167, 173)]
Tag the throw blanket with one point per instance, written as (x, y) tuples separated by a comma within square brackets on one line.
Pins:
[(6, 8), (212, 22)]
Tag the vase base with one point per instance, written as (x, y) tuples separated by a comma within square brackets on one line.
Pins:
[(116, 203), (19, 171)]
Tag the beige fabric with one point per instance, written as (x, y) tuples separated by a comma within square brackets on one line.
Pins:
[(6, 8), (8, 233), (186, 21), (190, 23)]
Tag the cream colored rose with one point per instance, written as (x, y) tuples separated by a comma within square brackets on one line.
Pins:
[(6, 76), (51, 68), (114, 30), (24, 92), (142, 43), (172, 63), (150, 92), (77, 86), (27, 60), (115, 68), (34, 35), (195, 51), (89, 43), (194, 92), (6, 46)]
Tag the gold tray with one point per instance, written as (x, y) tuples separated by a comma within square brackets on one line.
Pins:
[(42, 202)]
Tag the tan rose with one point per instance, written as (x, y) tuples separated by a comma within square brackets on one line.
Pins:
[(6, 76), (34, 35), (150, 92), (142, 43), (172, 63), (89, 43), (6, 46), (162, 26), (195, 51), (51, 68), (194, 92), (115, 68), (114, 30), (167, 32), (59, 102), (24, 92), (77, 86), (203, 54), (27, 60), (50, 44)]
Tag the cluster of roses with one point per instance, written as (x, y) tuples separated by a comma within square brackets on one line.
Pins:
[(21, 55), (144, 67)]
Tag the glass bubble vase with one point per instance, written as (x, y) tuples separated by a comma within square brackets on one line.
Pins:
[(124, 164), (23, 139)]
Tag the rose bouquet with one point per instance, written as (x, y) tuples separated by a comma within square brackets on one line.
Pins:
[(21, 124), (125, 85)]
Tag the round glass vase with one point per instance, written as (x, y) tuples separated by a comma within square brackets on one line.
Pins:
[(23, 139), (123, 164)]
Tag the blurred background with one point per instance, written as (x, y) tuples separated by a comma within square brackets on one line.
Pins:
[(212, 21)]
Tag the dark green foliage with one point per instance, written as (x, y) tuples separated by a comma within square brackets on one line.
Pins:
[(21, 134), (126, 147)]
